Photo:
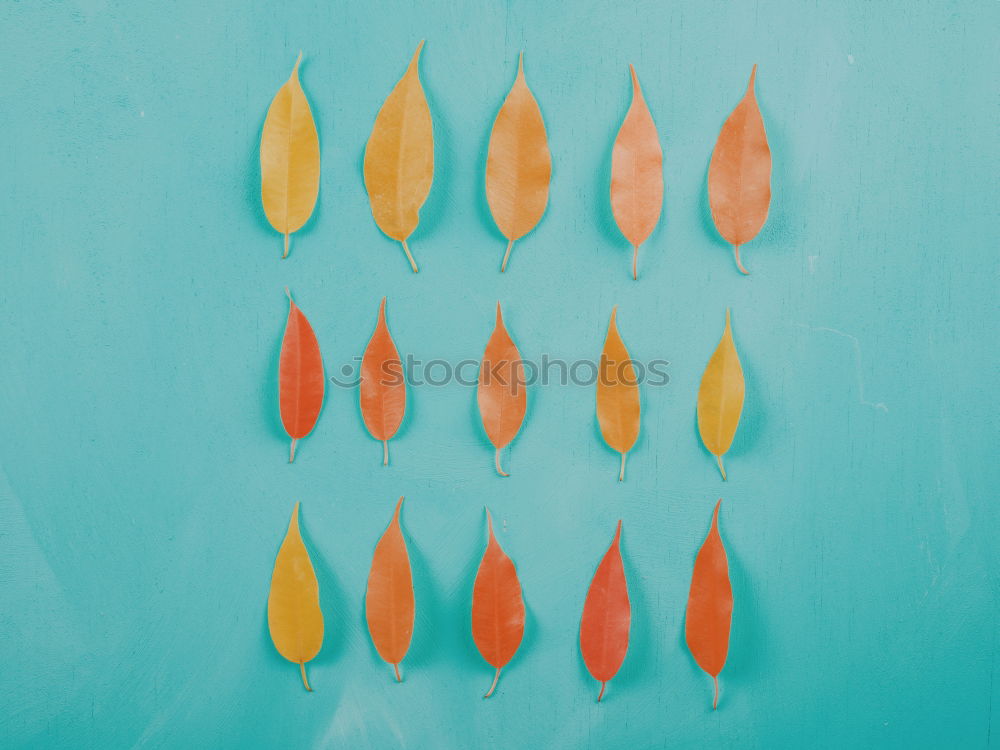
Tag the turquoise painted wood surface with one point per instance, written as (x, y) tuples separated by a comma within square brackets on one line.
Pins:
[(145, 488)]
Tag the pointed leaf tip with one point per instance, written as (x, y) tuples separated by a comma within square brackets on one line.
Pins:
[(753, 78)]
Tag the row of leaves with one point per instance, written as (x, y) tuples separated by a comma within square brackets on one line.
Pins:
[(399, 166), (295, 618), (501, 394)]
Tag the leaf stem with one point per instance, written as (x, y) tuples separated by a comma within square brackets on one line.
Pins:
[(493, 687), (305, 680), (285, 254), (601, 694), (385, 452), (409, 257), (718, 460), (739, 265), (715, 702), (291, 453), (506, 256), (396, 666), (621, 474), (635, 261), (500, 471)]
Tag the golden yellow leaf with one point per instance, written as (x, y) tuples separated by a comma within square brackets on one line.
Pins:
[(399, 158), (617, 395), (289, 159), (293, 614), (518, 164), (720, 397)]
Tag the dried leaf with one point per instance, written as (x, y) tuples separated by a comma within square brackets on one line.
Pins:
[(739, 175), (637, 174), (720, 398), (518, 164), (617, 395), (289, 159), (502, 392), (710, 606), (607, 616), (497, 607), (399, 158), (389, 606), (300, 377), (293, 613), (383, 386)]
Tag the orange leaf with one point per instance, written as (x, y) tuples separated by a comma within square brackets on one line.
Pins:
[(383, 386), (607, 616), (518, 164), (637, 174), (300, 377), (502, 393), (710, 606), (617, 395), (739, 175), (497, 607), (389, 606)]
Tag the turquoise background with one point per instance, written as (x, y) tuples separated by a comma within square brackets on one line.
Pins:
[(145, 488)]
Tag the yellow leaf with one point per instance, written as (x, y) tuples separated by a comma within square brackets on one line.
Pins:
[(399, 158), (617, 395), (293, 614), (720, 397), (518, 164), (289, 159)]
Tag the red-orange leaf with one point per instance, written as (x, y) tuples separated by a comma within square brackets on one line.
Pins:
[(300, 377), (497, 607), (501, 395), (383, 387), (607, 616), (637, 174), (739, 175), (710, 606), (389, 606)]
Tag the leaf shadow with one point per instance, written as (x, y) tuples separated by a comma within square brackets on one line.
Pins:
[(439, 200), (753, 420), (332, 598), (252, 193), (606, 225), (269, 402), (746, 649), (643, 644), (426, 637), (528, 641)]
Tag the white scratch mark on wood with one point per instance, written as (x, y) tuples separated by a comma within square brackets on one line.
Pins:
[(877, 405)]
